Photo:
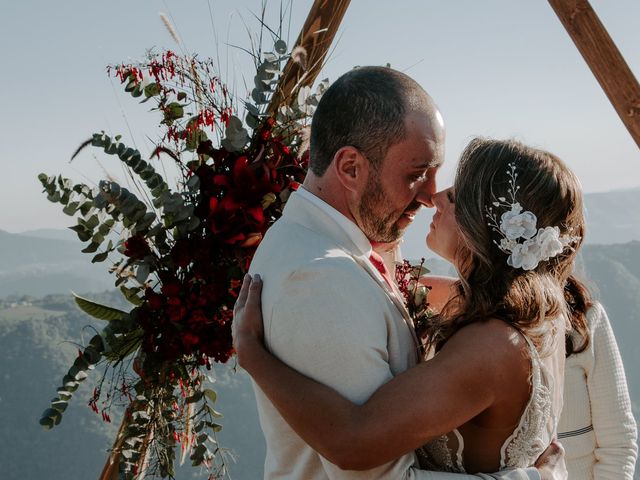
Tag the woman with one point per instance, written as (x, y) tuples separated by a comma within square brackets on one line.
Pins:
[(597, 427), (490, 397)]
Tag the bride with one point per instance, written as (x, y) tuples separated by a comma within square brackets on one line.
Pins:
[(490, 395)]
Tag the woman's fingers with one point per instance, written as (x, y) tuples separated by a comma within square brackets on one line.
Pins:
[(254, 299), (247, 329), (244, 291)]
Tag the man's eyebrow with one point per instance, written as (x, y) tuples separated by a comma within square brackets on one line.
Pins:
[(430, 164), (436, 163)]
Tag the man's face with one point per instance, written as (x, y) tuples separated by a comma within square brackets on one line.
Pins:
[(405, 180)]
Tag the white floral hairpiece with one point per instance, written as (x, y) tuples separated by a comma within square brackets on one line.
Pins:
[(526, 244)]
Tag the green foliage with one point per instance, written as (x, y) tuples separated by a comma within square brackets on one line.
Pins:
[(96, 310), (76, 374)]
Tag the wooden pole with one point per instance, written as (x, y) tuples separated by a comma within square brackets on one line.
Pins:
[(604, 60), (315, 38)]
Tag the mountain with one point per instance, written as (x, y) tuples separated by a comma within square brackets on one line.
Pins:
[(37, 265), (33, 332), (38, 339), (44, 261), (614, 277), (40, 328), (611, 217)]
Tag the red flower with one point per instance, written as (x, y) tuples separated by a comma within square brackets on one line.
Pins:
[(154, 299), (171, 289), (136, 247), (181, 253)]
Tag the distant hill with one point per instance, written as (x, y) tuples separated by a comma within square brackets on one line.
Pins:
[(32, 265), (37, 344), (612, 217), (35, 326), (614, 274)]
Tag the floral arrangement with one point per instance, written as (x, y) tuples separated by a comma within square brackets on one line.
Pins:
[(179, 250), (415, 293), (525, 243)]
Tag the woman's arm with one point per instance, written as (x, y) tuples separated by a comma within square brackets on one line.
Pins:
[(612, 418), (427, 401)]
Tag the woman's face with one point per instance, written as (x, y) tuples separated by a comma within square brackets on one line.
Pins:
[(443, 237)]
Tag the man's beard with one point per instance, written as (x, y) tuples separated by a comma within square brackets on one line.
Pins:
[(377, 225)]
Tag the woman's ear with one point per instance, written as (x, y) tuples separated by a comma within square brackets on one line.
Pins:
[(350, 168)]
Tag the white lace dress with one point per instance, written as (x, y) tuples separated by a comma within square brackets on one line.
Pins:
[(536, 429)]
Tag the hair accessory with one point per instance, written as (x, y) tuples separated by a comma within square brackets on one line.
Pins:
[(526, 244)]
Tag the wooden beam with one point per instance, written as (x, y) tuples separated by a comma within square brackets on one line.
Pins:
[(315, 38), (604, 60)]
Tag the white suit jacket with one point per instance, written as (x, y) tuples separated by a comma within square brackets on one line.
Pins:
[(329, 314)]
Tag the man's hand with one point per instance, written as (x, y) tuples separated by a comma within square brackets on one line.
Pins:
[(551, 463)]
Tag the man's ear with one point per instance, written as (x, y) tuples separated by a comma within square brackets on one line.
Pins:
[(350, 168)]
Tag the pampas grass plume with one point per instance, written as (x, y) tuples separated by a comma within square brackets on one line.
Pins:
[(169, 27)]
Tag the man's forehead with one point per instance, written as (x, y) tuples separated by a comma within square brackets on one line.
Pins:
[(433, 157)]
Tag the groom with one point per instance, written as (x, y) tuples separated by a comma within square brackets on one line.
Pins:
[(330, 307)]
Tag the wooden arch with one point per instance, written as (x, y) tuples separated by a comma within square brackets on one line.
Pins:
[(578, 17)]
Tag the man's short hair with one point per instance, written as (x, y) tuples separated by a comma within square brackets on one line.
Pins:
[(364, 108)]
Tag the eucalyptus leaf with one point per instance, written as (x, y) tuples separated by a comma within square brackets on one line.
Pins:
[(91, 248), (47, 423), (251, 120), (86, 207), (258, 97), (280, 47), (59, 405), (211, 395), (152, 90), (142, 272), (196, 397), (82, 232), (91, 355), (71, 208), (173, 111)]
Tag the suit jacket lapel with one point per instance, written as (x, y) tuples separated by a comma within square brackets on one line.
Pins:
[(394, 294), (301, 211)]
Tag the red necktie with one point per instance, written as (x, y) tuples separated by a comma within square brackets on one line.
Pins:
[(377, 262)]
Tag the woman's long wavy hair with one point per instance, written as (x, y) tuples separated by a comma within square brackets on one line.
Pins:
[(488, 286)]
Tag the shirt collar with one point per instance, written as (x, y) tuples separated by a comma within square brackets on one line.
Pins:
[(354, 233)]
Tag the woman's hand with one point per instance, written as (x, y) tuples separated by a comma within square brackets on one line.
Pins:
[(247, 327)]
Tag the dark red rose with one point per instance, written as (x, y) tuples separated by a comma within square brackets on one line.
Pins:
[(136, 247), (173, 301), (198, 316), (189, 340), (154, 299), (181, 253), (171, 289), (176, 314)]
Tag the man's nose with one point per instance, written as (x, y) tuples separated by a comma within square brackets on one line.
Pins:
[(426, 192)]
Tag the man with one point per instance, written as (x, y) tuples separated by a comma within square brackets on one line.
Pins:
[(330, 308)]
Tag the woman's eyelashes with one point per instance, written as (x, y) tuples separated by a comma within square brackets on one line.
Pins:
[(450, 196)]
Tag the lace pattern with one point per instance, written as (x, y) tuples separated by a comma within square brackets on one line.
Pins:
[(437, 454), (522, 447), (528, 440)]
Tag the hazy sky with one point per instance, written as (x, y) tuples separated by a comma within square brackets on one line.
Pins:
[(499, 68)]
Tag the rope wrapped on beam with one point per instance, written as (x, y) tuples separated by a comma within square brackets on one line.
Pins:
[(315, 39)]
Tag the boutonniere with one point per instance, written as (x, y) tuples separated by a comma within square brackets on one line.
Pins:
[(415, 293)]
